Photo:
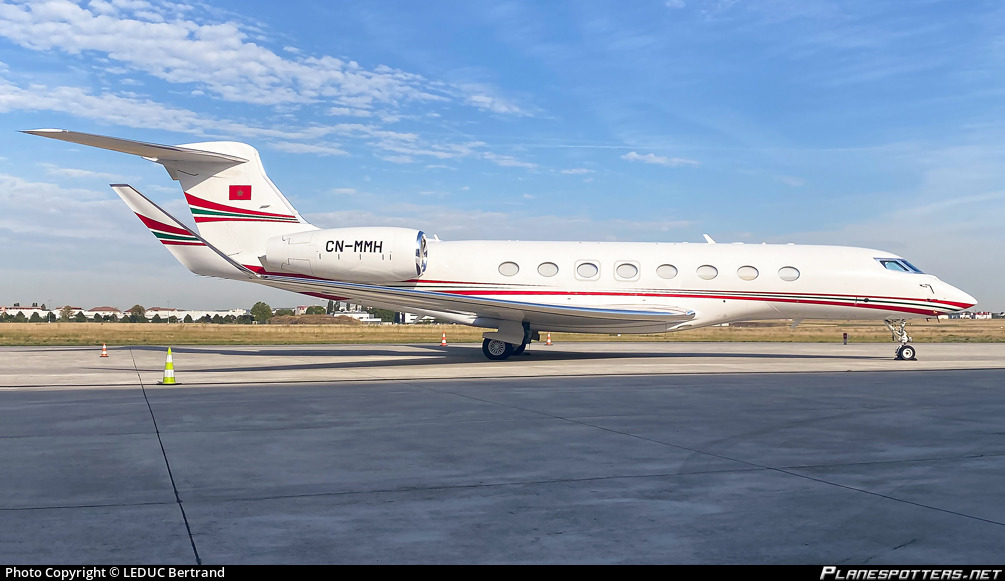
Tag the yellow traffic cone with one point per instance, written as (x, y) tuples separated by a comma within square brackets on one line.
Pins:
[(168, 370), (443, 341), (549, 339), (104, 351)]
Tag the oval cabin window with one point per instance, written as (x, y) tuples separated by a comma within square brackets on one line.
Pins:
[(747, 272), (707, 272), (627, 270), (508, 268), (788, 273), (666, 271), (547, 269), (587, 270)]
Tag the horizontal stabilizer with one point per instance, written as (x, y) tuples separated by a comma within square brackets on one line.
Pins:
[(152, 151)]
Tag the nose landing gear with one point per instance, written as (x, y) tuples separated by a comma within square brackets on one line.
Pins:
[(898, 330)]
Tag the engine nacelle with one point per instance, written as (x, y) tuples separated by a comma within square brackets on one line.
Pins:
[(350, 254)]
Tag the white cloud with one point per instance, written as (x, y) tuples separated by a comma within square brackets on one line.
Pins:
[(219, 58), (315, 148), (576, 171), (506, 160), (660, 160), (494, 104), (52, 212), (457, 224), (56, 170), (793, 181)]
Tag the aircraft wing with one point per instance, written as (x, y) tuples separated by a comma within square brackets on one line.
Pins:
[(485, 309)]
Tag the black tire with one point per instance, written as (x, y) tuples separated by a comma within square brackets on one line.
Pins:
[(497, 350), (907, 353)]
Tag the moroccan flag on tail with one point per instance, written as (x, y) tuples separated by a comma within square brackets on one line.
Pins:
[(240, 192)]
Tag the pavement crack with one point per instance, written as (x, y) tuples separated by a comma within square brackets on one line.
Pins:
[(167, 463)]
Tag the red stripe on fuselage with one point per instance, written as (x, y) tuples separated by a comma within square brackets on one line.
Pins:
[(200, 219), (194, 201), (808, 300)]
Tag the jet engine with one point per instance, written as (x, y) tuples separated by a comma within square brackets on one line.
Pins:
[(350, 254)]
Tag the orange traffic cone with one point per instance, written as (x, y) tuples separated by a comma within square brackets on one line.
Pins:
[(104, 350), (549, 339), (443, 341)]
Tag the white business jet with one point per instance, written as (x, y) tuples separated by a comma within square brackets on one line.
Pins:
[(247, 230)]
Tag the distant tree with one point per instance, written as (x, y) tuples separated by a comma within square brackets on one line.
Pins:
[(262, 312), (230, 319), (217, 318), (383, 314), (35, 318), (187, 319), (112, 318), (172, 319), (330, 310), (138, 311), (245, 319), (20, 318), (65, 313), (80, 317), (97, 318), (43, 307), (284, 312), (315, 310), (4, 318), (205, 319), (156, 319)]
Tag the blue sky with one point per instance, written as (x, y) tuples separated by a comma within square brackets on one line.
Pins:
[(862, 123)]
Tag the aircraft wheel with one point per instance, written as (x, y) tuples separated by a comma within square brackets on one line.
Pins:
[(906, 353), (518, 350), (496, 350)]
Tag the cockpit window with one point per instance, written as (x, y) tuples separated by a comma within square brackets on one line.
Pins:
[(898, 265)]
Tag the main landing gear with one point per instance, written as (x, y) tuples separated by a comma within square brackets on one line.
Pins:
[(898, 329), (497, 350)]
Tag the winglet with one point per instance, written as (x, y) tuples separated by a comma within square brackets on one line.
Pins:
[(189, 248)]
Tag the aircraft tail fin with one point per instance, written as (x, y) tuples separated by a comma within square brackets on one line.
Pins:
[(188, 247), (236, 206)]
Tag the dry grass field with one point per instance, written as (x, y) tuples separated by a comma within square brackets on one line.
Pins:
[(13, 334)]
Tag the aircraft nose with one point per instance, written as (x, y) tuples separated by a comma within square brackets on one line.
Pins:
[(959, 299)]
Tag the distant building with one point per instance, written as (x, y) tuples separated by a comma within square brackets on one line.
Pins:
[(361, 316), (27, 311), (103, 311)]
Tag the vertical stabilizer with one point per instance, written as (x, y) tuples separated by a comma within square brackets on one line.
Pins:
[(236, 206)]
